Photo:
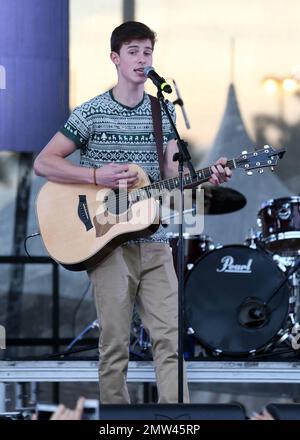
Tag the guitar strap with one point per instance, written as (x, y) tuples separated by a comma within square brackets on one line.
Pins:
[(158, 133)]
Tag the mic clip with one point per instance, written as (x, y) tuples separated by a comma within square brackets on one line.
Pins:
[(178, 101)]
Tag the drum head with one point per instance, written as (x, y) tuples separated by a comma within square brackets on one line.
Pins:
[(229, 302)]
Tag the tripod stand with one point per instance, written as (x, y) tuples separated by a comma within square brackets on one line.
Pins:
[(94, 324), (140, 345)]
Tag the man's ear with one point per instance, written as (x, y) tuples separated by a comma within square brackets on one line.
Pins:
[(114, 56)]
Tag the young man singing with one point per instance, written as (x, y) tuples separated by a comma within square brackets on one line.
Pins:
[(113, 130)]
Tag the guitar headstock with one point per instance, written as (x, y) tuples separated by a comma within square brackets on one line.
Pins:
[(259, 159)]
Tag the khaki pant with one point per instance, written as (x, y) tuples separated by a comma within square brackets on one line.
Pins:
[(141, 273)]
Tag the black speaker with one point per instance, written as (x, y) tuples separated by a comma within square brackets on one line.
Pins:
[(284, 411), (173, 412)]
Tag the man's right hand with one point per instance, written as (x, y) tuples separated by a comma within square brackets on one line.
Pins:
[(116, 176)]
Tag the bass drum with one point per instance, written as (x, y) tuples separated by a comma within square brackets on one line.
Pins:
[(231, 303)]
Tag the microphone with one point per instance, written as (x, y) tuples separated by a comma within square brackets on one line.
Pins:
[(157, 80), (179, 101)]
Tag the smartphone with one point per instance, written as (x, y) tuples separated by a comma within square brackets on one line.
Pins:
[(90, 410), (44, 410)]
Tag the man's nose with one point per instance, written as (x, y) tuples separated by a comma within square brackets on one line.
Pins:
[(142, 59)]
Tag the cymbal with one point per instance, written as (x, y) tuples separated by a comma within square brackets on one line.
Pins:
[(221, 199), (217, 200)]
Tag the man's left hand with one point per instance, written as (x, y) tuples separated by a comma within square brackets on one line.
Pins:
[(221, 173)]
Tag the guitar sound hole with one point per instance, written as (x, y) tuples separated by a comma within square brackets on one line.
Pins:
[(117, 202)]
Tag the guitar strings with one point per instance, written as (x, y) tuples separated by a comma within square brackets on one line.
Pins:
[(157, 185)]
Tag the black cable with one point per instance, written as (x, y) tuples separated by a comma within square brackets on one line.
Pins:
[(25, 242), (69, 352), (276, 352), (76, 310)]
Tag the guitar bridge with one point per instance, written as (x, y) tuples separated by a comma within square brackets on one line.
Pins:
[(83, 212)]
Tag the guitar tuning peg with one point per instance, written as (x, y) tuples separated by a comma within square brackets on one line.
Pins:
[(245, 152), (249, 173), (266, 147), (272, 168), (260, 171)]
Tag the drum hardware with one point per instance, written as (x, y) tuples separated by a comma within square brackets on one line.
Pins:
[(295, 335), (253, 239), (290, 265), (296, 328), (285, 333), (250, 240), (285, 211), (140, 343), (295, 283), (293, 265), (288, 277), (291, 334), (144, 339), (283, 336), (282, 263), (217, 351), (292, 300)]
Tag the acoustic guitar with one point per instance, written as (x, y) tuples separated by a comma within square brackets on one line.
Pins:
[(81, 224)]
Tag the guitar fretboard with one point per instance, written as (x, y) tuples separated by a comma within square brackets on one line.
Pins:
[(158, 188)]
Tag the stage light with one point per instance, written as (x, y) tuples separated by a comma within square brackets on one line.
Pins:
[(271, 85), (290, 85)]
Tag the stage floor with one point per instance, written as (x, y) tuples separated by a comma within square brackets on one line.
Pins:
[(197, 372)]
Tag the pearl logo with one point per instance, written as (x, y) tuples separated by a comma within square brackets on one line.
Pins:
[(228, 265)]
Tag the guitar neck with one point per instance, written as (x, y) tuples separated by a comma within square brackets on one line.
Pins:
[(158, 188)]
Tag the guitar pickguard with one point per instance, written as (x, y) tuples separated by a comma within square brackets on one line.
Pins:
[(105, 221)]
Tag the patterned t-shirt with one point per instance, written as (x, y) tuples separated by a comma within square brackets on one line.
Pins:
[(107, 131)]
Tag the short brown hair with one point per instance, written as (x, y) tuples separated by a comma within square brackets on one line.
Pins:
[(128, 31)]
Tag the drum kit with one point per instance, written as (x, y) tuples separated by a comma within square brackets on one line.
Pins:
[(242, 300)]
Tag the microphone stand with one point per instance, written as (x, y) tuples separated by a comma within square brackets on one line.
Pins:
[(183, 156)]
